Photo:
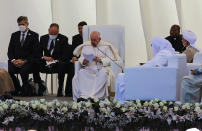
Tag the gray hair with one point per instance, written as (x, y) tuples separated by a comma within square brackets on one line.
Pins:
[(22, 18), (96, 32)]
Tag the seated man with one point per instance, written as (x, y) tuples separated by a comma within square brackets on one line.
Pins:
[(21, 54), (162, 49), (6, 83), (188, 40), (191, 91), (92, 81), (55, 56), (175, 38)]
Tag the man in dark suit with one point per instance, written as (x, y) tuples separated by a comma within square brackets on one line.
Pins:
[(21, 54), (175, 38), (54, 48), (78, 39)]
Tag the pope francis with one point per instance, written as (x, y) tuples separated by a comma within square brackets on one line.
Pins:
[(93, 79)]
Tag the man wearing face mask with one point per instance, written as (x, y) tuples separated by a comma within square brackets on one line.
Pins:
[(21, 54), (54, 48), (175, 38)]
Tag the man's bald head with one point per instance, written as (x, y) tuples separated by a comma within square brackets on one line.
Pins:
[(95, 38)]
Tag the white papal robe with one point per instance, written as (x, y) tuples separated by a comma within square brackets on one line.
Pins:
[(92, 81)]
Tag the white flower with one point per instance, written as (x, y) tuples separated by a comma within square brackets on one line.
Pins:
[(79, 105), (156, 106), (34, 106), (22, 103), (13, 106), (1, 109), (123, 109), (95, 99), (50, 104), (42, 100), (5, 106), (115, 101), (139, 105), (132, 109), (197, 104), (101, 104), (184, 107), (88, 104), (170, 103), (74, 106), (64, 109), (165, 108), (161, 104), (108, 103), (146, 103), (57, 104), (44, 107), (164, 101), (137, 101), (103, 110), (197, 110), (118, 105), (176, 108), (156, 100), (150, 103), (41, 106)]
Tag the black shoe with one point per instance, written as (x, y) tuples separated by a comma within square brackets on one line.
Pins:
[(41, 90), (81, 99), (68, 95)]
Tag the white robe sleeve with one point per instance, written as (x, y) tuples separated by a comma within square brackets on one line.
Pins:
[(161, 59), (105, 60), (81, 58)]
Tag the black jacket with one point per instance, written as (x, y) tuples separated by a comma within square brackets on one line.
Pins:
[(62, 50), (76, 41), (26, 52), (176, 43)]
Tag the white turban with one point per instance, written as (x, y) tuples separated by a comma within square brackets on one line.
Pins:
[(191, 38), (159, 43)]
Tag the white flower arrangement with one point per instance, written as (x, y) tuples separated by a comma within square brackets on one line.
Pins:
[(104, 113)]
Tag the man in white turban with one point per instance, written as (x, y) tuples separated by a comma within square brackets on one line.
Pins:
[(188, 40), (162, 49), (92, 80)]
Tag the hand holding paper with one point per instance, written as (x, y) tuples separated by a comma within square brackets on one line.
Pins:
[(89, 57)]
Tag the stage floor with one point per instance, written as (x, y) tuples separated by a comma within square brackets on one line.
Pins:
[(47, 98)]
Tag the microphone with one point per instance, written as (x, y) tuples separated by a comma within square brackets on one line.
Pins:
[(111, 60)]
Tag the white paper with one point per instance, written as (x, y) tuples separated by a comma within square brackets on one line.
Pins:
[(51, 62), (89, 57)]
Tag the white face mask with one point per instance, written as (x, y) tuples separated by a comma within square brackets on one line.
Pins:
[(22, 28), (52, 37)]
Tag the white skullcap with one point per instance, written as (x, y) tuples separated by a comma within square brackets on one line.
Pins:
[(189, 36), (193, 129), (159, 43)]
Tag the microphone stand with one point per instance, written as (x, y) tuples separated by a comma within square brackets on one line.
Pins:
[(111, 60)]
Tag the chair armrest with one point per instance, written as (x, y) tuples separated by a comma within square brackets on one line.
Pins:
[(77, 66), (116, 67), (4, 65)]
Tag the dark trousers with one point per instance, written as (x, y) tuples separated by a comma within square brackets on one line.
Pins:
[(24, 73), (61, 69)]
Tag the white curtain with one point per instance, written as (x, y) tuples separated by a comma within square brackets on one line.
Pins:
[(38, 12), (124, 13), (68, 13)]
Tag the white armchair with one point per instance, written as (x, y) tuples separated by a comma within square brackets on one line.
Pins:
[(4, 65), (114, 35), (148, 83)]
